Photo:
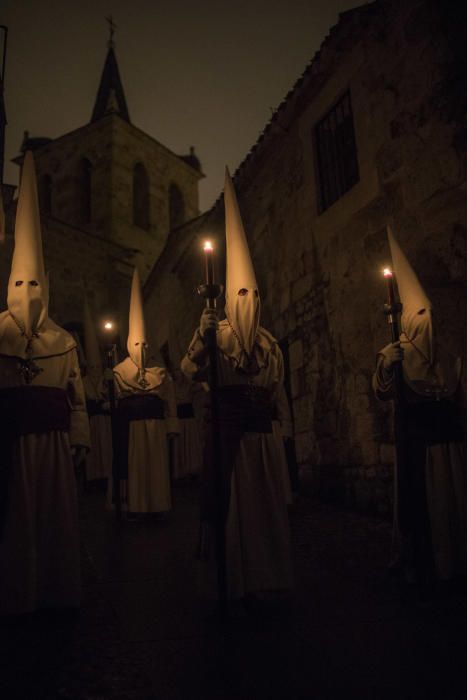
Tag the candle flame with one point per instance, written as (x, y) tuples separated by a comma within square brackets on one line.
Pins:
[(387, 272), (108, 325), (208, 246)]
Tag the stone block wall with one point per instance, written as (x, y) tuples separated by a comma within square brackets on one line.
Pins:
[(129, 147), (98, 256), (61, 159), (319, 274), (114, 147)]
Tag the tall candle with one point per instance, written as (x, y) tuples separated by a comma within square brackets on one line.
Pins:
[(208, 253), (390, 286)]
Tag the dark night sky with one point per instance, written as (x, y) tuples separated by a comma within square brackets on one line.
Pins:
[(203, 73)]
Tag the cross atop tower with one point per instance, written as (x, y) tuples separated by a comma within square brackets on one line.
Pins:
[(112, 28)]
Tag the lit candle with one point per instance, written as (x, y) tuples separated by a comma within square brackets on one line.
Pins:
[(390, 286), (208, 253)]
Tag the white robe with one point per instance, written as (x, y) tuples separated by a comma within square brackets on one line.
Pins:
[(39, 547), (99, 458), (148, 459), (446, 493), (187, 451), (257, 530)]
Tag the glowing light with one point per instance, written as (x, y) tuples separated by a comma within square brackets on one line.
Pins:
[(108, 325), (208, 246), (387, 272)]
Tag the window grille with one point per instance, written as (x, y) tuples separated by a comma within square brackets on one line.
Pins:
[(336, 153)]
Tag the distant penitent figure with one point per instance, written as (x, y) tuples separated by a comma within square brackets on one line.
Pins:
[(147, 418), (44, 429), (250, 368), (99, 459), (431, 469), (187, 452)]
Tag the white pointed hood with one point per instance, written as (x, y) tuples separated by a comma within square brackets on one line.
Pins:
[(242, 311), (137, 343), (28, 294), (412, 294), (425, 362), (92, 351)]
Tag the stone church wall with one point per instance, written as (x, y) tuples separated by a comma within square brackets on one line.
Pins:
[(129, 147), (97, 254), (320, 274), (61, 159), (113, 147)]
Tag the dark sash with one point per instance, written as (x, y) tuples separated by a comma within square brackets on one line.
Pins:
[(96, 408), (33, 409), (434, 422), (132, 408), (185, 410), (243, 409), (26, 410), (246, 408)]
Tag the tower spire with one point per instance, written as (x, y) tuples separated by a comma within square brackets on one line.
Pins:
[(110, 98)]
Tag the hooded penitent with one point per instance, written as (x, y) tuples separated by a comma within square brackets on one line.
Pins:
[(92, 350), (28, 295), (137, 344), (242, 304), (425, 362)]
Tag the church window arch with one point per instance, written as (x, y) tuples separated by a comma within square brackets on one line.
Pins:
[(45, 194), (140, 197), (176, 206), (85, 178)]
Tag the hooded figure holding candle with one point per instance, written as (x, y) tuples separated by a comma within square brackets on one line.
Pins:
[(250, 378), (431, 485), (99, 458), (44, 430), (147, 417)]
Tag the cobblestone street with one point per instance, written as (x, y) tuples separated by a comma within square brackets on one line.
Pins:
[(147, 629)]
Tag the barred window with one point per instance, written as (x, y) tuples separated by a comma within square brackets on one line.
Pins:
[(336, 153)]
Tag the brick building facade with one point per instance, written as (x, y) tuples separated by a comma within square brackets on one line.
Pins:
[(373, 132)]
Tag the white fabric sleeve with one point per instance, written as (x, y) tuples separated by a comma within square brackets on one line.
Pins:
[(194, 364), (383, 381)]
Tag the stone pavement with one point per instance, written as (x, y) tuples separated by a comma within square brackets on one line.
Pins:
[(147, 629)]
